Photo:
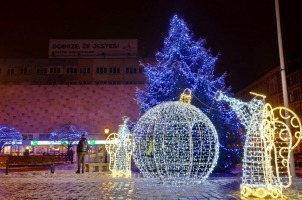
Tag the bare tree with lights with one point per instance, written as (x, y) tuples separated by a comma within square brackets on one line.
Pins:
[(68, 135), (9, 137)]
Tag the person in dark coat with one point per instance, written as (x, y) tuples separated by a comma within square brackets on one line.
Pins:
[(82, 149)]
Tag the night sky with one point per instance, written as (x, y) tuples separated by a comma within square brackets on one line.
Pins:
[(242, 32)]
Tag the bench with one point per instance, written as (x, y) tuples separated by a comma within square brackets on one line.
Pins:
[(30, 161), (3, 160), (96, 167)]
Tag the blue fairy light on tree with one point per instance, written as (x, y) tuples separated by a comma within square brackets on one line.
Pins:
[(185, 63), (9, 136), (68, 135)]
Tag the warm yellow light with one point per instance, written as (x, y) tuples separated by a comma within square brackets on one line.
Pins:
[(258, 95), (186, 96), (106, 130), (272, 133), (121, 151)]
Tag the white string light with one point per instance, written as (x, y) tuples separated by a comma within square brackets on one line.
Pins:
[(269, 141), (176, 142), (121, 152)]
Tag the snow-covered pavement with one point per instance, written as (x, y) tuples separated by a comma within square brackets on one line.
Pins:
[(67, 185)]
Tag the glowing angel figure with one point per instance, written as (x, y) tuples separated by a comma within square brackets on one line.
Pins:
[(121, 152), (268, 144)]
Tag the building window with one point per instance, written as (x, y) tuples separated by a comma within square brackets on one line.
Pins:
[(297, 95), (54, 70), (27, 136), (114, 70), (23, 70), (71, 83), (296, 78), (140, 70), (131, 82), (291, 97), (131, 70), (84, 70), (44, 136), (71, 70), (293, 79), (101, 82), (113, 82), (101, 70), (84, 82), (298, 111), (273, 85), (41, 70), (10, 71)]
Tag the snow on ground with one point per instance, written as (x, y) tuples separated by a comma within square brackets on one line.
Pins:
[(66, 184)]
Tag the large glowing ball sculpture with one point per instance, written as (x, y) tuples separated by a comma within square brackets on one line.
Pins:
[(176, 142), (272, 133), (120, 146)]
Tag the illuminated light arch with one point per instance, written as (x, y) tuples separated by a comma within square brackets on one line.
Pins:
[(269, 141), (120, 151), (176, 142)]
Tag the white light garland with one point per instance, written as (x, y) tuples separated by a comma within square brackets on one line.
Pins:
[(120, 152), (269, 141), (176, 142)]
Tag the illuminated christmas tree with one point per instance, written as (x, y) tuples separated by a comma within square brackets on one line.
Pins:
[(185, 63)]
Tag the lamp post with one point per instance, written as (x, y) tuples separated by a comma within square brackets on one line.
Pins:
[(283, 78), (106, 131)]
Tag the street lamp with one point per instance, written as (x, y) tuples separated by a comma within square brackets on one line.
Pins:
[(106, 131)]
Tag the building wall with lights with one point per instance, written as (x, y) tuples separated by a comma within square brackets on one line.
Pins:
[(89, 83)]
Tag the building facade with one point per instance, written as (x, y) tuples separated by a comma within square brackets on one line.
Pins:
[(269, 84), (88, 83), (79, 62)]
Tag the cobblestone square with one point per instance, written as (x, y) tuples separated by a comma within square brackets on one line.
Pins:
[(64, 184)]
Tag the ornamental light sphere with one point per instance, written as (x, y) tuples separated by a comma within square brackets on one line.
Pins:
[(176, 142)]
